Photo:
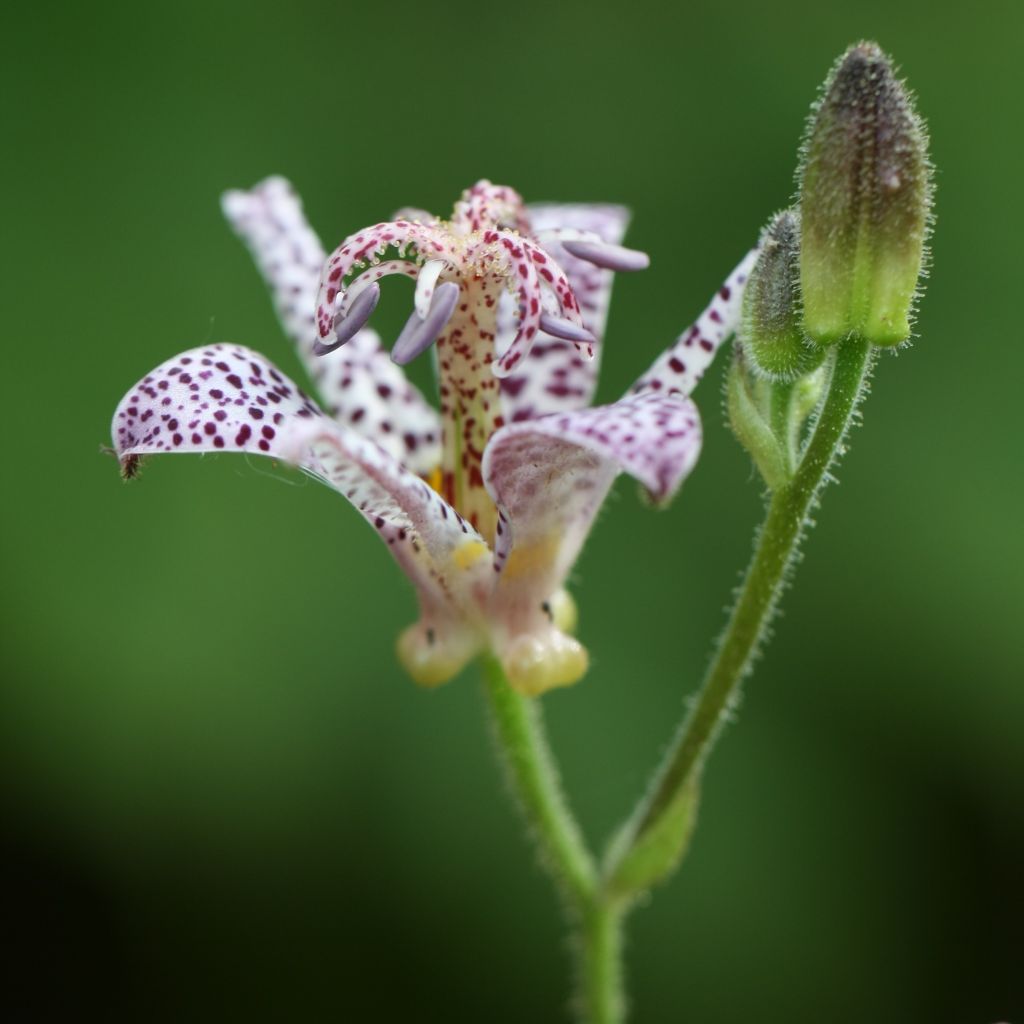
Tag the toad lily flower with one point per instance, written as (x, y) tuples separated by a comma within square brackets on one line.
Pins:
[(485, 504)]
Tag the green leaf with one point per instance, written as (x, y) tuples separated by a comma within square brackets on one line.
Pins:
[(659, 849)]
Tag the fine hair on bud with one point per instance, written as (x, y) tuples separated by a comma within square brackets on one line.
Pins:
[(771, 325), (865, 199)]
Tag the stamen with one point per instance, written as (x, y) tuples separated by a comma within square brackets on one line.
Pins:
[(419, 334), (425, 283), (608, 256), (559, 327), (348, 326)]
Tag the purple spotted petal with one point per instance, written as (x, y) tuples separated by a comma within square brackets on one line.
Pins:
[(270, 221), (215, 398), (358, 385), (229, 398), (678, 370), (446, 559), (555, 376), (548, 478)]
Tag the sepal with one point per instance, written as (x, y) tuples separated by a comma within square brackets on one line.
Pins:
[(747, 403), (658, 851)]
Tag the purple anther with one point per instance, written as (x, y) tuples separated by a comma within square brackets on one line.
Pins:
[(562, 328), (608, 256), (348, 326), (418, 335)]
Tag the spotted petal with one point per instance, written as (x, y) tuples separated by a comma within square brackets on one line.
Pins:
[(678, 370), (358, 384), (229, 398), (548, 477), (215, 398), (449, 563), (270, 221), (556, 377)]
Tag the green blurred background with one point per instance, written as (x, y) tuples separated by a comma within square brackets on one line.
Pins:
[(221, 799)]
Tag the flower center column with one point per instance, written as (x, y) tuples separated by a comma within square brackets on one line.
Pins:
[(470, 399)]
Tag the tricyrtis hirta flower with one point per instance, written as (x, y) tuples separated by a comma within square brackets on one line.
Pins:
[(485, 503)]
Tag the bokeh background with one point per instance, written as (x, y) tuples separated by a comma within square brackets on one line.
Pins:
[(220, 798)]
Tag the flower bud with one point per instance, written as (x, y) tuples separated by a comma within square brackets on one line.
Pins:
[(771, 328), (865, 195)]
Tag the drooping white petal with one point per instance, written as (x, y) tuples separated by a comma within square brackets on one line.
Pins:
[(215, 398), (549, 476), (555, 376), (442, 554), (229, 398), (269, 220), (679, 368), (449, 563), (358, 384)]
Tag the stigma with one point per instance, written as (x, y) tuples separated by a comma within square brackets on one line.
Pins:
[(485, 290)]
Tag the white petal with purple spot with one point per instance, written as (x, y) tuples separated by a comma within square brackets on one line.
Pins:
[(549, 476), (678, 370), (214, 398)]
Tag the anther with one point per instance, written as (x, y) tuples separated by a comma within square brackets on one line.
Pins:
[(419, 334), (348, 326), (608, 256), (562, 328)]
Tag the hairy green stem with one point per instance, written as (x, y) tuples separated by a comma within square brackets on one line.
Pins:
[(600, 985), (533, 778), (595, 903), (776, 546)]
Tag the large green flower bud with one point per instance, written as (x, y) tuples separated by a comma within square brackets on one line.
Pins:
[(865, 195)]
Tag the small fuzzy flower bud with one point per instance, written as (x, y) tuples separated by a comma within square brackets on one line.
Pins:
[(865, 195), (771, 328)]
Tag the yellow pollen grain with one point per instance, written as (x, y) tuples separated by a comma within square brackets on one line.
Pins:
[(469, 552)]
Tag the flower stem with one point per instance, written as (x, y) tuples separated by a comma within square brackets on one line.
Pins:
[(601, 999), (782, 423), (533, 778), (596, 907), (776, 547)]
